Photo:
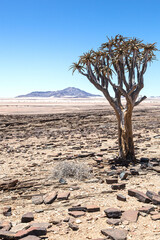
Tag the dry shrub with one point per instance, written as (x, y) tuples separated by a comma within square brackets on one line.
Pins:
[(65, 169)]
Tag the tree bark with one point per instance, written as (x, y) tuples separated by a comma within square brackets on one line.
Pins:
[(125, 136)]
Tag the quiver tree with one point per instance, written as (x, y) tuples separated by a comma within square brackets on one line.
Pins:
[(120, 65)]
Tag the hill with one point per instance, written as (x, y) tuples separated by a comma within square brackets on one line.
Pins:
[(69, 92)]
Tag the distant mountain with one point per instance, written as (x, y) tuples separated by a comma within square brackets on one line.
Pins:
[(69, 92)]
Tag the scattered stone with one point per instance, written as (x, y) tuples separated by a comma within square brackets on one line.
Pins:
[(6, 226), (37, 199), (28, 217), (156, 199), (93, 208), (150, 194), (62, 181), (139, 195), (143, 214), (113, 221), (118, 186), (20, 227), (123, 175), (7, 211), (73, 226), (111, 180), (77, 208), (113, 213), (133, 171), (63, 196), (66, 219), (76, 213), (50, 197), (156, 217), (36, 231), (146, 209), (39, 210), (130, 216), (132, 192), (8, 184), (6, 234), (121, 197), (115, 234)]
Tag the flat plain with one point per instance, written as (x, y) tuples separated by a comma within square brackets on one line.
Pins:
[(37, 134)]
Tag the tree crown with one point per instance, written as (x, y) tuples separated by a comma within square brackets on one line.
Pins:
[(122, 56)]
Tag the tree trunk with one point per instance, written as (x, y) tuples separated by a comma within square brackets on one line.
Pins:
[(125, 136)]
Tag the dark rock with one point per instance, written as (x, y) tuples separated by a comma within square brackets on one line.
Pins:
[(113, 213), (146, 209), (8, 184), (66, 219), (7, 234), (150, 194), (62, 181), (93, 208), (73, 226), (139, 195), (142, 197), (28, 217), (156, 199), (111, 180), (130, 215), (123, 175), (118, 186), (121, 197), (115, 234), (50, 197), (7, 211), (36, 231), (113, 167), (132, 192), (77, 208), (134, 171)]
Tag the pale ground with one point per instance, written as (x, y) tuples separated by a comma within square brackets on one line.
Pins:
[(60, 105), (28, 149)]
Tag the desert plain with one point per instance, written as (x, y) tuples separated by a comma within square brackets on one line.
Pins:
[(38, 134)]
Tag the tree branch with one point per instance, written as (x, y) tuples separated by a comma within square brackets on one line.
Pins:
[(140, 100)]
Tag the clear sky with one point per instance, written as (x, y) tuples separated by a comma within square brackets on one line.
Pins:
[(39, 40)]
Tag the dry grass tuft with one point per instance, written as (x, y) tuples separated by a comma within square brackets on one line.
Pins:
[(79, 171)]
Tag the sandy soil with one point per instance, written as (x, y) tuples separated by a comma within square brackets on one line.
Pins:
[(35, 136)]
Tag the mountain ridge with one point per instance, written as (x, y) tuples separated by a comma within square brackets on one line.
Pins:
[(70, 92)]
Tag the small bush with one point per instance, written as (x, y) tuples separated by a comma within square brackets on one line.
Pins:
[(71, 169)]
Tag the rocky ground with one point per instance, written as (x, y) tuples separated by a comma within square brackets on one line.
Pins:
[(115, 203)]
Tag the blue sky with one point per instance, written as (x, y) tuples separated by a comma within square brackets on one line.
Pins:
[(39, 40)]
